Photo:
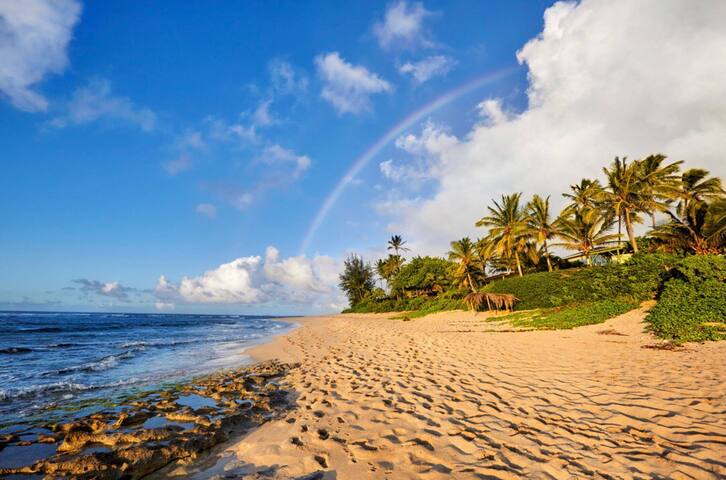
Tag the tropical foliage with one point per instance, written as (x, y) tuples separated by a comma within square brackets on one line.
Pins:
[(685, 212)]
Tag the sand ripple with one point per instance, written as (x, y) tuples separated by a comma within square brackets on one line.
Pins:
[(447, 397)]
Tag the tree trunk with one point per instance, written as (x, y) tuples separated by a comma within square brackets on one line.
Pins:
[(629, 229), (519, 265), (471, 282), (547, 256)]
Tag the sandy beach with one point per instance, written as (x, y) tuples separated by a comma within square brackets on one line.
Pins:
[(453, 395)]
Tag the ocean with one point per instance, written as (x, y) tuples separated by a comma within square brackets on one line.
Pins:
[(51, 362)]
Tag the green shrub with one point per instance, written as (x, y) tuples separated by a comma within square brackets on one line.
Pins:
[(636, 280), (569, 317), (423, 274), (692, 302)]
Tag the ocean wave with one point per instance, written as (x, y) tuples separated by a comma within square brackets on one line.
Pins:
[(100, 365), (39, 330), (36, 390), (15, 350), (58, 388)]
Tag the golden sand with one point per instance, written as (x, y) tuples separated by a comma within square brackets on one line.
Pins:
[(446, 397)]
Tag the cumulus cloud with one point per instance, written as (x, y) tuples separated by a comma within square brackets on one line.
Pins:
[(605, 79), (104, 289), (348, 87), (492, 112), (254, 280), (402, 26), (206, 209), (95, 101), (423, 70), (34, 37)]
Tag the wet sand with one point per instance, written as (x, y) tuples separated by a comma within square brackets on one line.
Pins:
[(452, 395)]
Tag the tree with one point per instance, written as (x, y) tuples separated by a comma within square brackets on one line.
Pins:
[(508, 232), (699, 229), (357, 279), (468, 264), (625, 194), (396, 243), (389, 267), (586, 194), (542, 227), (584, 230), (423, 275), (696, 187), (660, 184)]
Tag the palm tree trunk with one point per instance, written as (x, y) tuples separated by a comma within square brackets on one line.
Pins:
[(519, 265), (471, 282), (629, 229), (547, 256)]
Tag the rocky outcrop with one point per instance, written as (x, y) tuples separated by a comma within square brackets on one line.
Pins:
[(147, 433)]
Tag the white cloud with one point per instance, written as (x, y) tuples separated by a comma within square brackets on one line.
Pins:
[(180, 164), (286, 80), (492, 112), (95, 101), (402, 27), (104, 289), (605, 79), (34, 37), (262, 116), (423, 70), (348, 87), (277, 155), (206, 209), (252, 280)]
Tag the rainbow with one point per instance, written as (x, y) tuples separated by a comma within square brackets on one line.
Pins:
[(389, 136)]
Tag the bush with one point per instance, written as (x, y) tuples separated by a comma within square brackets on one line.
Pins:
[(635, 280), (569, 317), (423, 274), (692, 302)]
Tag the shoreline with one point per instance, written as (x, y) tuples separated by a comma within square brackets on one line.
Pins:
[(455, 394)]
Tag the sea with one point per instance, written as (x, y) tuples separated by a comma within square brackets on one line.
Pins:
[(53, 362)]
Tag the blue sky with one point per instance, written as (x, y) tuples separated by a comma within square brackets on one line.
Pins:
[(172, 138)]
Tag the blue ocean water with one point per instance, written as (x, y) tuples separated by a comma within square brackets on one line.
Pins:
[(57, 359)]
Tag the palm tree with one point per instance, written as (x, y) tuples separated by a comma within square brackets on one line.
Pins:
[(540, 224), (508, 232), (695, 187), (586, 194), (625, 194), (584, 230), (700, 229), (469, 265), (357, 279), (396, 243), (661, 183)]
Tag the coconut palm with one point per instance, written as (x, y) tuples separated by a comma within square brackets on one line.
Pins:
[(696, 186), (468, 263), (586, 194), (585, 230), (700, 229), (357, 279), (396, 243), (625, 194), (508, 232), (660, 184), (541, 225)]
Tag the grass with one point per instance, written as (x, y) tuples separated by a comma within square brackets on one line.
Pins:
[(559, 318)]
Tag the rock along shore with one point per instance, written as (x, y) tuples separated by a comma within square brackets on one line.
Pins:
[(151, 430)]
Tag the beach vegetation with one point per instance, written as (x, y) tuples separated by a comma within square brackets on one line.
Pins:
[(357, 279), (692, 302), (605, 274)]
